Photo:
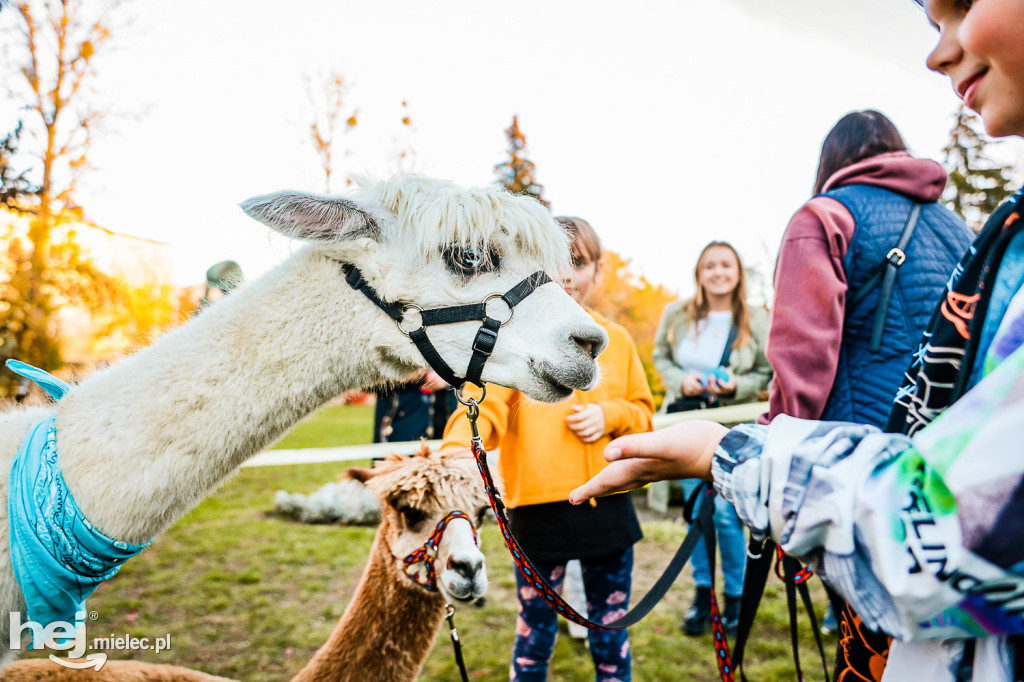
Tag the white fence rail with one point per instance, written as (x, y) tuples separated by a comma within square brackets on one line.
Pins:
[(729, 416)]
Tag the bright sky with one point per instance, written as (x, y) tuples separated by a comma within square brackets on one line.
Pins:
[(665, 123)]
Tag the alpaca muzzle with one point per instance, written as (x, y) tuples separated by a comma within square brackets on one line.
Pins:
[(427, 553)]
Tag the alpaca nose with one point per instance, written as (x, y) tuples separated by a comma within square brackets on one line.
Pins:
[(590, 341), (466, 567)]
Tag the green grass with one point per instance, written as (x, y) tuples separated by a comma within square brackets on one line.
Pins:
[(332, 426), (250, 596)]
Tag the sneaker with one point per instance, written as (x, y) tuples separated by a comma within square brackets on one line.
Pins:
[(698, 618)]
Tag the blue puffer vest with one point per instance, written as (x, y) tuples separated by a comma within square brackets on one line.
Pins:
[(866, 382)]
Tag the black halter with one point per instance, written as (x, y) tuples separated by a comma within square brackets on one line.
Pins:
[(486, 335)]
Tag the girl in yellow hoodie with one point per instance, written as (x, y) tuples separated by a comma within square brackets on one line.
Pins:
[(546, 451)]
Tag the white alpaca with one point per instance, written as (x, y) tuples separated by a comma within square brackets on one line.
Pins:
[(143, 441)]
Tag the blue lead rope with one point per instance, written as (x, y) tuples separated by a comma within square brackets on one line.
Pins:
[(59, 558)]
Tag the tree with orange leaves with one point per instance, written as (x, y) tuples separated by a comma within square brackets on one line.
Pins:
[(637, 304), (54, 45)]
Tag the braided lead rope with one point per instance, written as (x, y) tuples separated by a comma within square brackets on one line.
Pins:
[(522, 562), (722, 657), (704, 510), (537, 581)]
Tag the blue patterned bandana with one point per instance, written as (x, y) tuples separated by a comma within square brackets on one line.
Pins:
[(59, 558)]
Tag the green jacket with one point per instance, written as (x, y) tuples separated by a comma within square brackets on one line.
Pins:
[(748, 364)]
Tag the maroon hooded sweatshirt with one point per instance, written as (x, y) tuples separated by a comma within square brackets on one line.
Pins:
[(810, 285)]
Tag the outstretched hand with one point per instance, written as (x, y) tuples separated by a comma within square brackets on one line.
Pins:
[(683, 450)]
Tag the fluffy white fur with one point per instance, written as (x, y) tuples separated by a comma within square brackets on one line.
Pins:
[(142, 442)]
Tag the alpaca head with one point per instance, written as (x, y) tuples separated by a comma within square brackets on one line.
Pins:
[(417, 494), (431, 244)]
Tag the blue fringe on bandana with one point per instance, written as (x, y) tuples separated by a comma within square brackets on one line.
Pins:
[(59, 558)]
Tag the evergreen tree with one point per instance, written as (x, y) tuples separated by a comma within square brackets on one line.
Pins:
[(516, 173), (14, 187), (977, 185)]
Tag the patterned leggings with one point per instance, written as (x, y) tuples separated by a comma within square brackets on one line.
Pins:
[(606, 581)]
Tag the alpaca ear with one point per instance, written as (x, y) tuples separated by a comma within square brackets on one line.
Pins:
[(361, 474), (312, 217)]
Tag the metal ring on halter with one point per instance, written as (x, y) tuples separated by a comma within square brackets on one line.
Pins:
[(409, 306), (471, 401), (511, 310), (754, 556)]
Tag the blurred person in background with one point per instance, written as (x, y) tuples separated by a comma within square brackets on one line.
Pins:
[(710, 351)]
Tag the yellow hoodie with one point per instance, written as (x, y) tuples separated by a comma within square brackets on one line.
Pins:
[(541, 459)]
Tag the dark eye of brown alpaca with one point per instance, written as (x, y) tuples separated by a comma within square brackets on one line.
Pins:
[(412, 516), (468, 261)]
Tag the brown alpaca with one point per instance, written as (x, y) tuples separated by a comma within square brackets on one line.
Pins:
[(388, 628)]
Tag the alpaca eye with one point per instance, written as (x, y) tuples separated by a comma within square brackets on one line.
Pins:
[(481, 515), (468, 261), (412, 516)]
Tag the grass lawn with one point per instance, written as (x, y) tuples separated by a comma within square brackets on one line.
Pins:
[(250, 596), (330, 427)]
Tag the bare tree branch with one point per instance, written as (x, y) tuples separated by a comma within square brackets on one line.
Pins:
[(328, 96)]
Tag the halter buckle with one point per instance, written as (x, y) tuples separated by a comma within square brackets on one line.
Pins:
[(485, 341)]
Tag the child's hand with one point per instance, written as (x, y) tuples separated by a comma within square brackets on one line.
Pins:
[(680, 451), (587, 422)]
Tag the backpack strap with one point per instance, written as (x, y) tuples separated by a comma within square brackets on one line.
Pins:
[(887, 276)]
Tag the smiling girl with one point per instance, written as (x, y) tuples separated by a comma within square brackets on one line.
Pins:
[(710, 350), (918, 529), (691, 338)]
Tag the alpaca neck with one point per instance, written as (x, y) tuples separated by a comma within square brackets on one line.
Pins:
[(144, 441), (385, 633)]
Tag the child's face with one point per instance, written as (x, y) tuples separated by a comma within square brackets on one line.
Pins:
[(982, 51), (580, 281)]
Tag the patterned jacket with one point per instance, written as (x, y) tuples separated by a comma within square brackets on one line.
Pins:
[(893, 522)]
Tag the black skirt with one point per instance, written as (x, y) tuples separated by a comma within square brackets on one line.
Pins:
[(560, 531)]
